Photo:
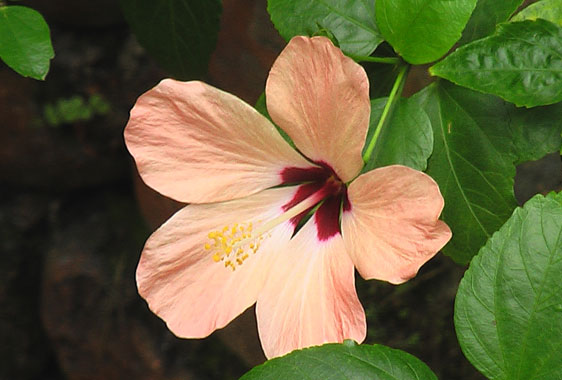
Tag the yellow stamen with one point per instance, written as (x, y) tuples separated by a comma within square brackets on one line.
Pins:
[(232, 245)]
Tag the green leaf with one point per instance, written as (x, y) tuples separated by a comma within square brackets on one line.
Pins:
[(478, 139), (352, 22), (508, 309), (550, 10), (179, 34), (486, 15), (422, 31), (407, 139), (343, 361), (25, 41), (535, 132), (521, 62)]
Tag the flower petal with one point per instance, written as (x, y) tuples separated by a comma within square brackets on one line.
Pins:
[(392, 228), (195, 143), (309, 298), (182, 283), (321, 99)]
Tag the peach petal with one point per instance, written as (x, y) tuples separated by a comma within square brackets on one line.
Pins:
[(309, 297), (182, 283), (392, 228), (321, 99), (197, 144)]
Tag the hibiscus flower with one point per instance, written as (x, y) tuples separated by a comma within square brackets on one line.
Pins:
[(268, 224)]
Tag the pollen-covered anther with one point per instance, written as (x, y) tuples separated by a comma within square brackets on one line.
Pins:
[(233, 244)]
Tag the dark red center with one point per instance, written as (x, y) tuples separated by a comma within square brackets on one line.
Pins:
[(321, 181)]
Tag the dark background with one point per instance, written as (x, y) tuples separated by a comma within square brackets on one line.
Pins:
[(74, 217)]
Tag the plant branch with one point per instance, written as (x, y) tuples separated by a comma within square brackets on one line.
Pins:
[(392, 99)]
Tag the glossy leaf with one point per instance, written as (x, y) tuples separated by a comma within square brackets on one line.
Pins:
[(179, 34), (535, 132), (486, 15), (343, 361), (478, 139), (508, 309), (407, 139), (351, 22), (521, 62), (550, 10), (25, 41), (422, 31)]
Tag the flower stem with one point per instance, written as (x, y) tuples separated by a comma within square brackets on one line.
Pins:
[(390, 103), (362, 58)]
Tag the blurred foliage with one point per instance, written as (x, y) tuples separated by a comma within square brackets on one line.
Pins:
[(179, 34), (73, 109)]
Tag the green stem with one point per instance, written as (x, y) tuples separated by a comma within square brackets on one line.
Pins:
[(361, 58), (392, 99)]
